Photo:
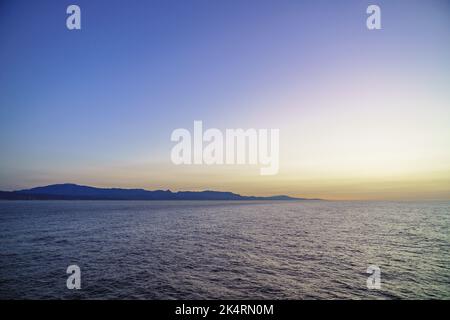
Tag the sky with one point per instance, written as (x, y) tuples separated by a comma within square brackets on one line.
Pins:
[(362, 114)]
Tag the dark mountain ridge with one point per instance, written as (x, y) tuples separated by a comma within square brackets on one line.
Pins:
[(70, 191)]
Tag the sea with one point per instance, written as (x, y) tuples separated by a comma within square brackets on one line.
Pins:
[(225, 249)]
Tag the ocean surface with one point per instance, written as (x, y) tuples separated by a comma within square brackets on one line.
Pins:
[(226, 250)]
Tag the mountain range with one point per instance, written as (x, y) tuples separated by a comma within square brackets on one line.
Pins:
[(68, 191)]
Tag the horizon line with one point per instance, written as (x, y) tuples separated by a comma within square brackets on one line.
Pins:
[(300, 197)]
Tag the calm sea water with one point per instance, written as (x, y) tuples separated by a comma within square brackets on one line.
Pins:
[(230, 250)]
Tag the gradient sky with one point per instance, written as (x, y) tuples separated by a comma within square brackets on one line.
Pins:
[(362, 114)]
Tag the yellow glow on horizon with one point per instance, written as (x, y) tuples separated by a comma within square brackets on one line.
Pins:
[(358, 139)]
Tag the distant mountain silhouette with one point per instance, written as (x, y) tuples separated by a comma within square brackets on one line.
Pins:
[(69, 191)]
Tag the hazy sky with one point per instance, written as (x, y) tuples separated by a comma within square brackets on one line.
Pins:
[(362, 114)]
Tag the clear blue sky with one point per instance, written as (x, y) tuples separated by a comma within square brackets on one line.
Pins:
[(97, 106)]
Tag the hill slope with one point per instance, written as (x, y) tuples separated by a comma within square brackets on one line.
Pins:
[(69, 191)]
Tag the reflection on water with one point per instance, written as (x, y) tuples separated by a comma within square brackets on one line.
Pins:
[(230, 250)]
